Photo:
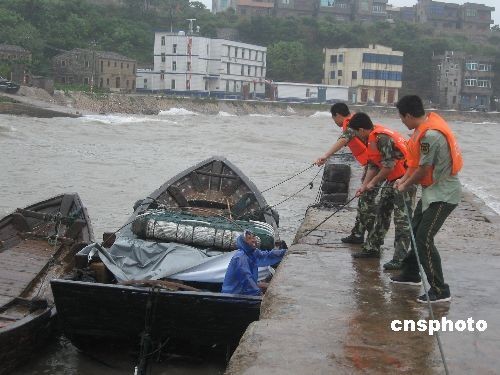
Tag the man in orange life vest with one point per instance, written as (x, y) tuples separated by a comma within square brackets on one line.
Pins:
[(366, 203), (434, 161), (386, 163)]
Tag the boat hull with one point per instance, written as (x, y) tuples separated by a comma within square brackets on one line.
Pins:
[(95, 314)]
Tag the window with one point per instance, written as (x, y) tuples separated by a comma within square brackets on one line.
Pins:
[(354, 74), (484, 67), (484, 83), (470, 65), (308, 93), (63, 62), (469, 12), (242, 53), (109, 63), (332, 74), (174, 48), (162, 75), (102, 66), (162, 40), (235, 51), (87, 64), (248, 70), (107, 82), (261, 71), (471, 82), (341, 58), (172, 84), (242, 69), (228, 68), (174, 66), (115, 64), (121, 65), (333, 59), (86, 80), (339, 73), (117, 82), (163, 57), (378, 8)]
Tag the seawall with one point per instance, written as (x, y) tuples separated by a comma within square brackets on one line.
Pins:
[(327, 313)]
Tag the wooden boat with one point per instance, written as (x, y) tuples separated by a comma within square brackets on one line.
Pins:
[(107, 310), (36, 244)]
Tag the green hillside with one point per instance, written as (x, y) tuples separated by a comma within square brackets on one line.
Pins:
[(295, 46)]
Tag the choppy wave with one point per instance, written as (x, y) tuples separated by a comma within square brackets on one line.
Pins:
[(177, 112), (7, 129), (321, 114), (485, 195), (117, 119), (260, 115), (225, 114)]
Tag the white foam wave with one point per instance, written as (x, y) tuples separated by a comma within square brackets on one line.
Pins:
[(290, 110), (7, 128), (259, 115), (117, 119), (482, 193), (225, 114), (177, 112), (321, 114)]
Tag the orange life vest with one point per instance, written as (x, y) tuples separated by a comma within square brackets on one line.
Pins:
[(356, 145), (375, 156), (434, 122)]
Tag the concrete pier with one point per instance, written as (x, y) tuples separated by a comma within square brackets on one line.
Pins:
[(327, 313)]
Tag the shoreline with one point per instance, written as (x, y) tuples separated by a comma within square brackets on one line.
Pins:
[(38, 103)]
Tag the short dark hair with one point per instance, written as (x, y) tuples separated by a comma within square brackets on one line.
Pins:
[(341, 109), (411, 104), (361, 121)]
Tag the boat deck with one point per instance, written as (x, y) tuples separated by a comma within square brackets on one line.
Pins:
[(19, 267)]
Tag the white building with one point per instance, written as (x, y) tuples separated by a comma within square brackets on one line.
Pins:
[(373, 73), (187, 64), (316, 93)]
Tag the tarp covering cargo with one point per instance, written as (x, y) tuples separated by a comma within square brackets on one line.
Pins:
[(136, 259), (213, 232)]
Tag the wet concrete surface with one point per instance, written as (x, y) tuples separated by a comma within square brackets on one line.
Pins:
[(327, 313)]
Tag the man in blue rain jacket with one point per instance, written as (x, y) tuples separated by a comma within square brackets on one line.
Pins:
[(242, 272)]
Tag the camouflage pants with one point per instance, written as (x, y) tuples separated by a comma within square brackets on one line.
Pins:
[(365, 216), (391, 200)]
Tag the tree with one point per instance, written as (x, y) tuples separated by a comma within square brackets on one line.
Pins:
[(286, 61)]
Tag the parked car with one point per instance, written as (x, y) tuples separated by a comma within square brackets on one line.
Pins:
[(8, 86)]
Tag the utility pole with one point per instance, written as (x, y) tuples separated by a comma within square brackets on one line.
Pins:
[(92, 46)]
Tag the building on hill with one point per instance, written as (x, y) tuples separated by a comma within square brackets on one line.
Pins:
[(296, 8), (223, 5), (188, 64), (468, 18), (462, 81), (374, 74), (255, 7), (107, 70), (16, 60)]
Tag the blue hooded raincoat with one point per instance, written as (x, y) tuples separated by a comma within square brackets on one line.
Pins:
[(242, 272)]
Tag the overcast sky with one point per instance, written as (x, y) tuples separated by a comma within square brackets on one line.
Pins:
[(491, 3)]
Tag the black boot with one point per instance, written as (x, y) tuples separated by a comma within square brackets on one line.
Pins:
[(353, 238)]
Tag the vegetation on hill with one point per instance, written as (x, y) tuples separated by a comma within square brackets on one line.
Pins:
[(295, 45)]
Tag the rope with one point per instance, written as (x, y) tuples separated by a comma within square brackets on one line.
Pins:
[(288, 179), (424, 283), (268, 207), (329, 216)]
